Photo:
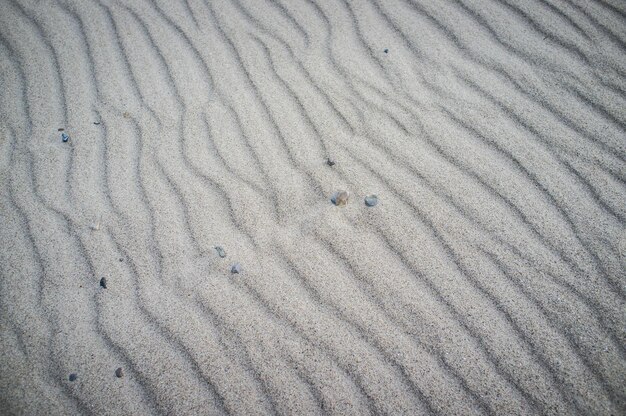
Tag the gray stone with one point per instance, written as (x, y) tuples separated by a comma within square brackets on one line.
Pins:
[(236, 268), (220, 251), (119, 373), (371, 200)]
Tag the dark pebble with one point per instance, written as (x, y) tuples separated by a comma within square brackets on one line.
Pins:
[(119, 373), (220, 251), (61, 129), (103, 282), (330, 162), (73, 377), (371, 200), (386, 50), (121, 260), (64, 137), (236, 268), (97, 123)]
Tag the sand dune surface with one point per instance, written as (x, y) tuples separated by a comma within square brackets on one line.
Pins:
[(169, 242)]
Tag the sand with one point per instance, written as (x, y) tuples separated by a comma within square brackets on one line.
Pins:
[(488, 279)]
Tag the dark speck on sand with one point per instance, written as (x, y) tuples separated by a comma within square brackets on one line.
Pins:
[(220, 251)]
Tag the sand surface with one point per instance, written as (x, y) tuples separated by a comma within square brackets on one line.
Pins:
[(489, 278)]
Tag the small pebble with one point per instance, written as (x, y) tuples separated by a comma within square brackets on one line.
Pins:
[(340, 198), (73, 377), (371, 200), (61, 129), (220, 251), (64, 137), (121, 260), (126, 114), (96, 123), (330, 162), (119, 373), (103, 282), (236, 268), (386, 50)]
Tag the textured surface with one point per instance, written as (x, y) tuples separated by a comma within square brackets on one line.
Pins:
[(488, 280)]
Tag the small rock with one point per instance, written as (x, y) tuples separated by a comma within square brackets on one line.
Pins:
[(97, 123), (73, 377), (220, 251), (121, 260), (371, 200), (126, 114), (236, 268), (340, 198), (386, 50), (119, 373), (330, 162), (65, 137), (61, 129), (103, 282)]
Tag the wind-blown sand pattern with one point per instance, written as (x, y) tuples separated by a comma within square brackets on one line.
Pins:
[(489, 278)]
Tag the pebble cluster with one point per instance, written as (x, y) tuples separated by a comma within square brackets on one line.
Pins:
[(236, 267), (340, 198)]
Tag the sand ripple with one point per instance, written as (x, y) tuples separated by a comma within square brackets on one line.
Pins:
[(488, 279)]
